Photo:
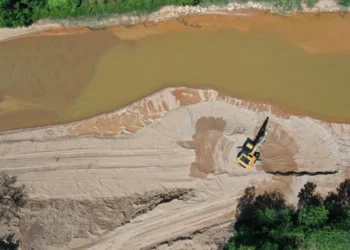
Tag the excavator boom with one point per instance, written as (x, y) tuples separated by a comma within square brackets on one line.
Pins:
[(262, 131)]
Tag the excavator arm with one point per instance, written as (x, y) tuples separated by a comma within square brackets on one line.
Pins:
[(249, 154)]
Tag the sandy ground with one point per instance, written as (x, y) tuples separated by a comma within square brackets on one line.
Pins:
[(10, 33), (126, 180), (161, 173)]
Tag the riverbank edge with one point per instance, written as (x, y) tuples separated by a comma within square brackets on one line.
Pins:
[(165, 13), (128, 119)]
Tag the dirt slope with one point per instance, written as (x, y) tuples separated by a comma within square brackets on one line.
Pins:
[(161, 169)]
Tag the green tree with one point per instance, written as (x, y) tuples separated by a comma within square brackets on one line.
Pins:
[(328, 238), (267, 222), (264, 222), (15, 13), (345, 3), (313, 216), (310, 3)]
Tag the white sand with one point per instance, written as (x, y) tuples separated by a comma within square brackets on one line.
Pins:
[(56, 165)]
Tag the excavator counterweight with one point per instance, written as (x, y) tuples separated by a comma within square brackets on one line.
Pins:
[(250, 153)]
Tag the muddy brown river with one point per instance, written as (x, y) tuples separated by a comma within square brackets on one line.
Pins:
[(54, 79)]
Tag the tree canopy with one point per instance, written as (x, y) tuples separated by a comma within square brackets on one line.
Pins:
[(267, 222), (15, 13)]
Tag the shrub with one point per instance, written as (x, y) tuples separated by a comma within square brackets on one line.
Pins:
[(310, 3), (15, 13), (266, 222), (10, 193), (345, 3)]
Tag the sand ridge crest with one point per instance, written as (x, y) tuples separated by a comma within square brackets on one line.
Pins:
[(93, 162)]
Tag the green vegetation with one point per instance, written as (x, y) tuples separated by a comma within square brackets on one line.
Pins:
[(345, 3), (15, 13), (24, 12), (310, 3), (267, 222)]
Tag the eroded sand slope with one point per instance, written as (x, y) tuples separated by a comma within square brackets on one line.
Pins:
[(162, 169)]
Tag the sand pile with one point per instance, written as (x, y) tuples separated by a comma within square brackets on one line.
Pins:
[(278, 152), (161, 169)]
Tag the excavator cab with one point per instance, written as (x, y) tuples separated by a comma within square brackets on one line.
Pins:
[(249, 153), (245, 158)]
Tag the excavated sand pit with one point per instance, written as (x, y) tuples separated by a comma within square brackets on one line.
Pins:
[(160, 172), (208, 141), (279, 151)]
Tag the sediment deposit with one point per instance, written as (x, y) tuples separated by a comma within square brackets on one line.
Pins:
[(162, 172)]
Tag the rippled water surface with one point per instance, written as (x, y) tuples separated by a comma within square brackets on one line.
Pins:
[(48, 80)]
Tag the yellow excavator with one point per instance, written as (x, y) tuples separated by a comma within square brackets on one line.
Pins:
[(249, 153)]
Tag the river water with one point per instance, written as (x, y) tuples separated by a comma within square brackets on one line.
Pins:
[(54, 79)]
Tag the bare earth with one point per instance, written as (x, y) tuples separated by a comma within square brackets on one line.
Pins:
[(161, 173)]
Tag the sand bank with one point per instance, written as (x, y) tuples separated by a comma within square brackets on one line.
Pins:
[(105, 173)]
